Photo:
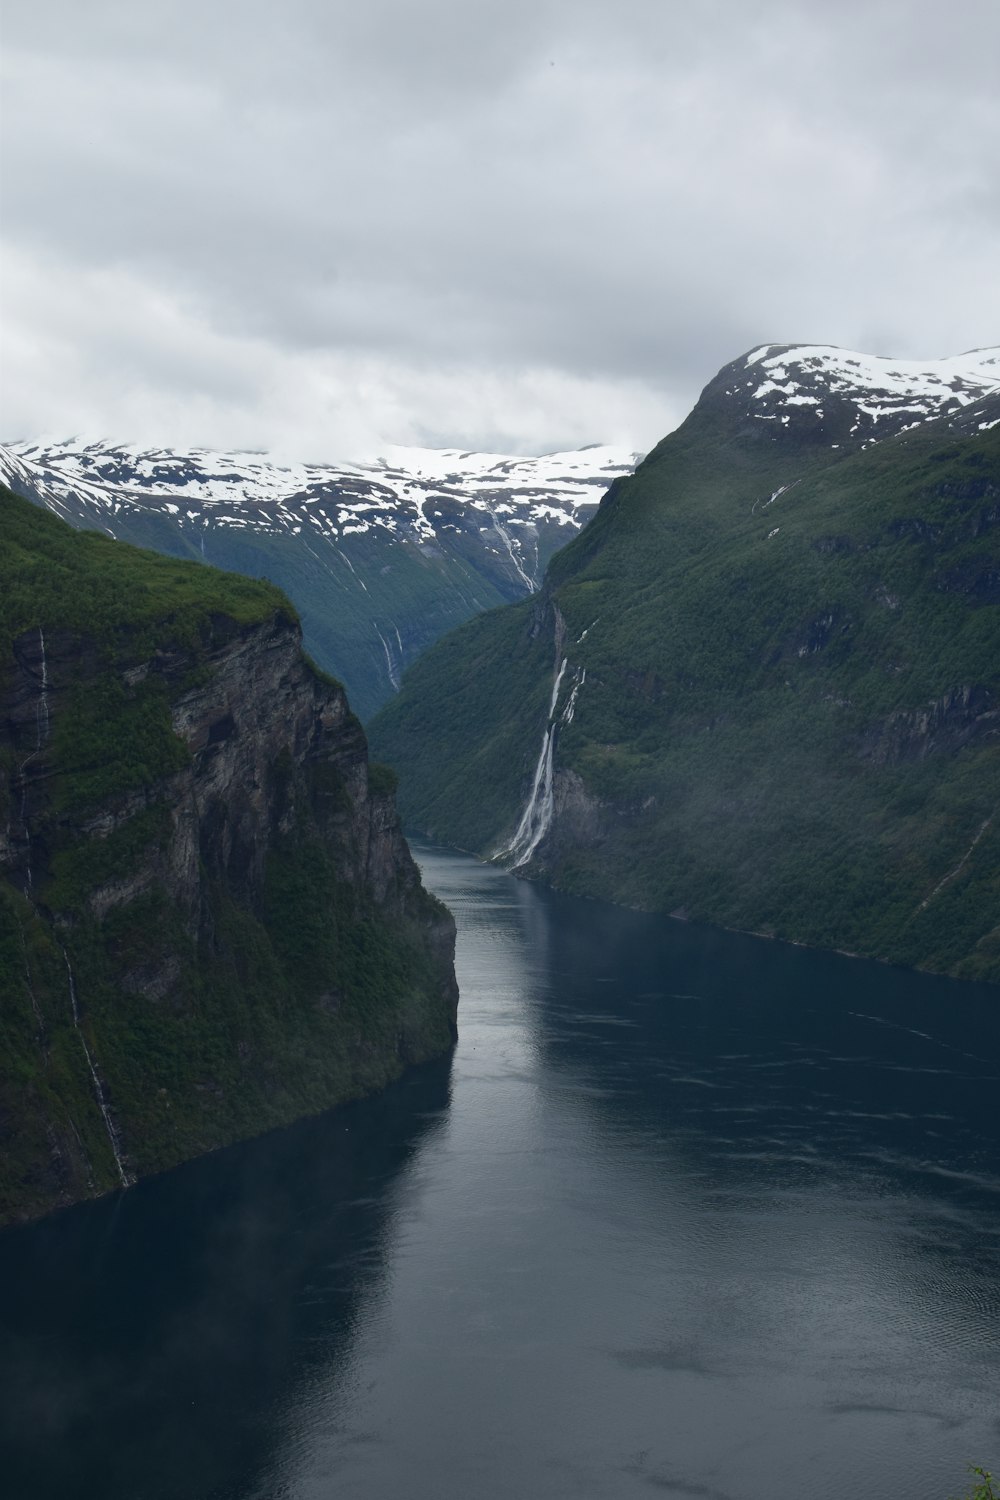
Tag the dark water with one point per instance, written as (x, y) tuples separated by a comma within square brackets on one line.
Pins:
[(688, 1214)]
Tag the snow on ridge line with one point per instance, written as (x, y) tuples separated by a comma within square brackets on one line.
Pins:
[(554, 489), (207, 477), (959, 377)]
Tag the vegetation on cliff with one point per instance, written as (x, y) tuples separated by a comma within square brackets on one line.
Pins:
[(790, 721), (209, 921)]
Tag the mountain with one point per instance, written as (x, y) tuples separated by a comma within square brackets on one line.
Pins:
[(210, 923), (380, 559), (762, 687)]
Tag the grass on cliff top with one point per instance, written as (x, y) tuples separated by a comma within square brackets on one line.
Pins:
[(118, 605), (60, 579)]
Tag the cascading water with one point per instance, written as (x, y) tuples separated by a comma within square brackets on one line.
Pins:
[(537, 815), (42, 725), (390, 664), (109, 1124), (505, 537), (579, 678)]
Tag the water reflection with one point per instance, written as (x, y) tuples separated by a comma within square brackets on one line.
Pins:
[(705, 1216), (153, 1343)]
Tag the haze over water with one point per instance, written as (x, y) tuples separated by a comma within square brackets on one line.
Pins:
[(687, 1214)]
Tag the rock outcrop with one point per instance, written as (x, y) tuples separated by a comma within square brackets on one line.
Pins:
[(210, 922)]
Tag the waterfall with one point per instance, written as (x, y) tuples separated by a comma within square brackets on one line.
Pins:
[(390, 664), (42, 725), (579, 678), (505, 537), (537, 815), (42, 707), (109, 1124)]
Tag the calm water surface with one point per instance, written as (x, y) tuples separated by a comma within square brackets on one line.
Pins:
[(687, 1214)]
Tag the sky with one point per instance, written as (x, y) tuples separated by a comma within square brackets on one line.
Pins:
[(321, 227)]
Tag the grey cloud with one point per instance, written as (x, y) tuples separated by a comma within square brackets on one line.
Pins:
[(548, 192)]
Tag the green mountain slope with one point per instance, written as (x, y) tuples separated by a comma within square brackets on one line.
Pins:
[(780, 709), (209, 921), (344, 594), (380, 559)]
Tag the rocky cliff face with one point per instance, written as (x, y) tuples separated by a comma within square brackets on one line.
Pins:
[(210, 922)]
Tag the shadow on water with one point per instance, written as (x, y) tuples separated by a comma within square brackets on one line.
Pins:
[(688, 1212), (750, 1061), (771, 1181), (150, 1342), (696, 1024)]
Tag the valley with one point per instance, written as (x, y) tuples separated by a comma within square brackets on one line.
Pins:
[(380, 559)]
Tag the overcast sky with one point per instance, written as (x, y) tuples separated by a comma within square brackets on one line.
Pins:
[(325, 225)]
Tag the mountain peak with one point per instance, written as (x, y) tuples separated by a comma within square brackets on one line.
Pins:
[(818, 393)]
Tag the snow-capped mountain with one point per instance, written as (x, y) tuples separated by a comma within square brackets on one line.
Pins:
[(382, 558), (409, 491), (762, 687), (379, 557), (828, 395)]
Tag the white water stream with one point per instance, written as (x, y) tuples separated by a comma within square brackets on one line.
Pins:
[(505, 537), (390, 664), (537, 815), (109, 1124)]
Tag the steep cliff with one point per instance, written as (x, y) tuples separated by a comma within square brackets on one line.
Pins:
[(762, 687), (210, 922)]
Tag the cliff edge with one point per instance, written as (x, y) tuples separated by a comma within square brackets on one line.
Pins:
[(210, 922)]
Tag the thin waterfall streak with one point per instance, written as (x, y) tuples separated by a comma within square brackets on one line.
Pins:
[(959, 867), (43, 701), (579, 678), (390, 664), (109, 1124), (537, 815), (555, 689), (504, 536), (347, 560)]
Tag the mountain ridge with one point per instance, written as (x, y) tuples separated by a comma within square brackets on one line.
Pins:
[(767, 619), (380, 558)]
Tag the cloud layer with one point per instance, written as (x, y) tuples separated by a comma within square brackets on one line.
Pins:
[(324, 227)]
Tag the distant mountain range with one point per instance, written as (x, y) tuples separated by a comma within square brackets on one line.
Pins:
[(762, 687), (379, 558)]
